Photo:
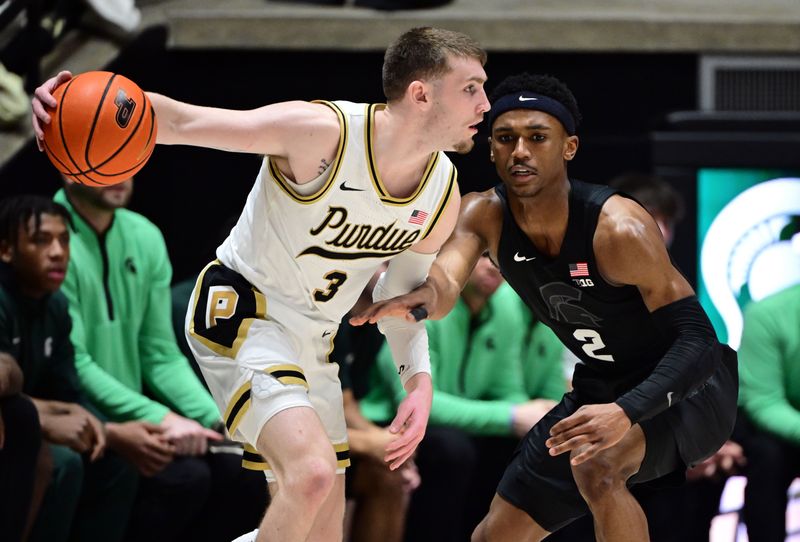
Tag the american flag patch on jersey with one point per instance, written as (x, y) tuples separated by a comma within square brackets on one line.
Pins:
[(579, 269), (418, 217)]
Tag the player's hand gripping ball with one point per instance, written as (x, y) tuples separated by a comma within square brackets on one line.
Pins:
[(102, 131)]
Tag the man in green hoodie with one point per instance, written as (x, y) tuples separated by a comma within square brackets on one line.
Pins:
[(770, 400), (130, 366), (484, 401)]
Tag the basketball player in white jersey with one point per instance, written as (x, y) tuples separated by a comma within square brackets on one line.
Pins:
[(342, 188)]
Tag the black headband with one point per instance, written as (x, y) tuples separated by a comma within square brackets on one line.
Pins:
[(530, 100)]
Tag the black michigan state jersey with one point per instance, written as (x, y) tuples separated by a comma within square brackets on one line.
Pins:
[(609, 328)]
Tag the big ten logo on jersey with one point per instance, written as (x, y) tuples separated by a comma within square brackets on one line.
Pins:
[(222, 301), (583, 283)]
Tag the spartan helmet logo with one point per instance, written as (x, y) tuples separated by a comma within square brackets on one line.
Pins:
[(752, 250), (125, 108), (559, 297)]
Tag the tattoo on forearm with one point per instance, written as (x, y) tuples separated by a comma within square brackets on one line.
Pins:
[(323, 166)]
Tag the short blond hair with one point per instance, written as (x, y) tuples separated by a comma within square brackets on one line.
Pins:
[(422, 53)]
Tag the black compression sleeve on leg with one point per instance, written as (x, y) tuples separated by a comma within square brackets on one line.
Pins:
[(692, 358)]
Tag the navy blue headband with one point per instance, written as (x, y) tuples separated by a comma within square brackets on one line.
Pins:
[(530, 100)]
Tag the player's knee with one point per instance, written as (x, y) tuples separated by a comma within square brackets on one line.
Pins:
[(597, 477), (311, 480)]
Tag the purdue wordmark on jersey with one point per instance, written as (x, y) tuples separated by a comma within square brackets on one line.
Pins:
[(370, 241)]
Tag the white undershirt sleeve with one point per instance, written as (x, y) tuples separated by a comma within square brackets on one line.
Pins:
[(408, 341)]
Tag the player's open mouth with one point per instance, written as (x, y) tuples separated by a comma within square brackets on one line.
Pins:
[(523, 171)]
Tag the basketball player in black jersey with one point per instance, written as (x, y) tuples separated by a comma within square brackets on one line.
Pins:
[(655, 391)]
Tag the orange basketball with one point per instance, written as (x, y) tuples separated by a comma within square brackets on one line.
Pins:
[(103, 129)]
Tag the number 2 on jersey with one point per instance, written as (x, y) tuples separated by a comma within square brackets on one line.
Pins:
[(336, 278), (594, 343)]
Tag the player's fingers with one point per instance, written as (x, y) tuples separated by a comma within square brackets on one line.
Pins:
[(396, 462), (62, 77), (564, 436), (79, 443), (402, 419), (590, 451), (37, 130), (403, 446), (97, 451), (571, 444), (40, 117), (406, 439), (364, 316), (397, 308), (99, 432), (567, 423), (44, 95), (159, 455), (161, 447)]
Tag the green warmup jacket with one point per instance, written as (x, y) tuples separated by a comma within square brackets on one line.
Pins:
[(35, 332), (476, 367), (769, 364), (542, 353), (117, 285)]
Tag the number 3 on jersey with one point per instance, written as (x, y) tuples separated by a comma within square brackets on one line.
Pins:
[(336, 279), (594, 343)]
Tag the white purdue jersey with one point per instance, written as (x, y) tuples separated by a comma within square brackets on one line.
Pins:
[(315, 246)]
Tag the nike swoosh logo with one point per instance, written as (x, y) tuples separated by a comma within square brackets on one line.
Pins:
[(346, 188), (524, 99), (325, 334), (518, 258), (669, 399)]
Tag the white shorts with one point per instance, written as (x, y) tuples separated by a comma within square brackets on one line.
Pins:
[(260, 357)]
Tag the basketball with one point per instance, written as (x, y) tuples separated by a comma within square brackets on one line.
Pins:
[(102, 131)]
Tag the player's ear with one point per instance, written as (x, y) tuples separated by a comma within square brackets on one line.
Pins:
[(570, 148), (418, 91)]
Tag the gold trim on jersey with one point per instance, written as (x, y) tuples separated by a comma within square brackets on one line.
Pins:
[(380, 188), (253, 460), (244, 326), (451, 185), (237, 406), (288, 373), (286, 185), (330, 350)]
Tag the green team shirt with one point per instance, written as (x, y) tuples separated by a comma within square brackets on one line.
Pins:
[(117, 285), (476, 366), (35, 332), (769, 364)]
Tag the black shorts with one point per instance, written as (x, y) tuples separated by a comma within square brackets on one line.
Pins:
[(683, 435)]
